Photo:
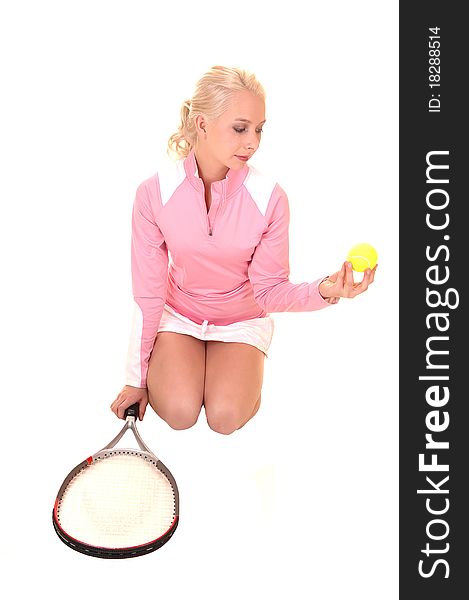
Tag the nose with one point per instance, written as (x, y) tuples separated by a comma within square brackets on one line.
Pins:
[(252, 144)]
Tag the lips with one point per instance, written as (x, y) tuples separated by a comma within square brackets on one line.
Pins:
[(243, 158)]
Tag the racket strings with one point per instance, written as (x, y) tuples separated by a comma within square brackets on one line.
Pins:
[(121, 500)]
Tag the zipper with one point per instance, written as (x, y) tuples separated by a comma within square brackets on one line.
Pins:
[(211, 227)]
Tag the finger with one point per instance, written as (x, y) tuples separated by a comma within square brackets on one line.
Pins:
[(340, 279), (366, 277), (123, 407), (142, 409), (348, 279), (372, 274), (361, 287), (115, 404), (363, 284)]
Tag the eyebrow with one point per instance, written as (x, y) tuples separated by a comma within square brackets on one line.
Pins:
[(248, 121)]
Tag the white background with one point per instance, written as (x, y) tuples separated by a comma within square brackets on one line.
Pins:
[(303, 501)]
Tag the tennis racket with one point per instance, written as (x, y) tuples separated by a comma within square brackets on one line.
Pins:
[(119, 502)]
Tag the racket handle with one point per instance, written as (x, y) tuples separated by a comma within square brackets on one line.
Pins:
[(132, 411)]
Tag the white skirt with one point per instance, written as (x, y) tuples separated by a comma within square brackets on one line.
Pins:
[(256, 332)]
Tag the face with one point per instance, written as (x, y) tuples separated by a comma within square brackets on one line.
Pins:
[(232, 139)]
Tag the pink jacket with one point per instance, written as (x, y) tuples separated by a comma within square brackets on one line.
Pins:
[(228, 265)]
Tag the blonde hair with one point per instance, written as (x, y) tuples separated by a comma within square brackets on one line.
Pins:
[(212, 95)]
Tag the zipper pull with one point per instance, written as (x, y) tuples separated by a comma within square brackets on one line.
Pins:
[(210, 231)]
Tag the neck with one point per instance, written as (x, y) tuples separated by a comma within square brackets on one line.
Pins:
[(208, 169)]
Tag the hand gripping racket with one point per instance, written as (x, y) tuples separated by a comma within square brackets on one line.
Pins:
[(118, 503)]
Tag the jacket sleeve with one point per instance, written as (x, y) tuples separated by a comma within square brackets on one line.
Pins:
[(269, 268), (149, 267)]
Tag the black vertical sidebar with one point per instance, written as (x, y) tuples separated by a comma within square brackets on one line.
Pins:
[(433, 259)]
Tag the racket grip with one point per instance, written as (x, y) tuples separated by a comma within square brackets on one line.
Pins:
[(132, 411)]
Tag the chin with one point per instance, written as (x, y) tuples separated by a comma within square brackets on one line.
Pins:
[(236, 164)]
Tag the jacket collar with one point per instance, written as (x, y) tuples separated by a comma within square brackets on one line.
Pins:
[(233, 180)]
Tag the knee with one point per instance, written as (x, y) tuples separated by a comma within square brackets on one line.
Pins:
[(224, 418), (181, 421), (181, 417), (177, 414)]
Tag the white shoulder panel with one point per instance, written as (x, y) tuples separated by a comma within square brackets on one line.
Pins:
[(170, 176), (260, 186)]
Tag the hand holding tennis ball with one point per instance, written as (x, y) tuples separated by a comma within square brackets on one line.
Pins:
[(363, 257)]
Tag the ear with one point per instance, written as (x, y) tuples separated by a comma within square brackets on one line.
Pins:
[(201, 125)]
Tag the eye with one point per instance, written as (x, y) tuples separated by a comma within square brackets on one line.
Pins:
[(243, 130)]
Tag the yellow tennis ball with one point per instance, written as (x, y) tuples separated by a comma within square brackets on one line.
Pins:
[(362, 257)]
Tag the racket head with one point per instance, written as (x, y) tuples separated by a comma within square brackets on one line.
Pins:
[(118, 503)]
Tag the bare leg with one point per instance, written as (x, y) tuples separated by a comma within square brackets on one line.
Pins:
[(175, 381), (233, 382)]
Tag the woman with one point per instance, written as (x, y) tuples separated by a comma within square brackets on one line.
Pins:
[(210, 263)]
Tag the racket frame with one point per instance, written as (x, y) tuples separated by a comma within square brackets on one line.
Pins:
[(105, 452)]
